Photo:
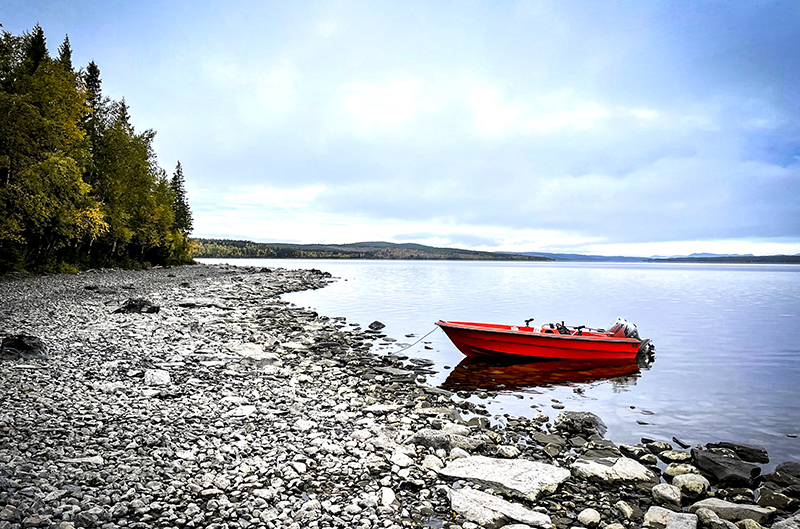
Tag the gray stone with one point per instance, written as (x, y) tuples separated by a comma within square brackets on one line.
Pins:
[(674, 456), (682, 521), (734, 511), (666, 494), (493, 512), (793, 522), (657, 517), (692, 486), (580, 422), (437, 439), (676, 469), (516, 477)]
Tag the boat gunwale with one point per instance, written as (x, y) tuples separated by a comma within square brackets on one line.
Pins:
[(442, 324)]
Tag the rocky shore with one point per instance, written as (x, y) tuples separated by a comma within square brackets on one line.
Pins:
[(195, 397)]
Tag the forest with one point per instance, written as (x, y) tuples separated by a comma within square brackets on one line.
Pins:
[(227, 249), (79, 186)]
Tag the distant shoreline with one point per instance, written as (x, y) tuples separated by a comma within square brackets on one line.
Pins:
[(381, 251), (739, 259)]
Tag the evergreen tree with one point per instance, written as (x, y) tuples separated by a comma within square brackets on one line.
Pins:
[(92, 81), (36, 48), (180, 207), (79, 186), (65, 54)]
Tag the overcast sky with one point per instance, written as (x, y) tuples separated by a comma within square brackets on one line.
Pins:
[(634, 128)]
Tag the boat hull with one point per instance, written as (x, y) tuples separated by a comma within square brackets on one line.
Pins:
[(484, 339)]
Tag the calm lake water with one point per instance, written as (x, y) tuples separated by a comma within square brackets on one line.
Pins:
[(727, 362)]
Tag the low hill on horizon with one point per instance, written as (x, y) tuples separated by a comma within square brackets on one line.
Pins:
[(238, 249), (243, 249)]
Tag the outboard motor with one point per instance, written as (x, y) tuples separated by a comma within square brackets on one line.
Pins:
[(623, 327)]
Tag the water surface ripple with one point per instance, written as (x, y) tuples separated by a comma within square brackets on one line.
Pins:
[(727, 360)]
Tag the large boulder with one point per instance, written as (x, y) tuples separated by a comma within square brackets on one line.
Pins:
[(493, 512), (749, 453), (515, 477), (734, 512), (610, 470), (23, 346), (138, 305), (790, 467), (580, 423), (727, 471)]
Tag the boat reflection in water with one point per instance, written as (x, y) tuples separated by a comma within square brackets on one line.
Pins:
[(493, 374)]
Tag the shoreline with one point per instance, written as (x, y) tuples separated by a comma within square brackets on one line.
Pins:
[(229, 408)]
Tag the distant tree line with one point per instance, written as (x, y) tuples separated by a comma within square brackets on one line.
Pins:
[(235, 249), (79, 186)]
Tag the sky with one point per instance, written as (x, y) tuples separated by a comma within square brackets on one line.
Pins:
[(612, 128)]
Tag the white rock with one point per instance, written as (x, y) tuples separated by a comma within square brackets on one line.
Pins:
[(625, 508), (383, 408), (493, 512), (157, 377), (589, 518), (401, 460), (457, 453), (621, 469), (657, 517), (508, 451), (241, 411), (457, 429), (388, 496), (432, 462), (516, 477), (304, 425), (92, 460)]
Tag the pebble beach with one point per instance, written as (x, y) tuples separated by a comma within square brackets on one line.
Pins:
[(195, 397)]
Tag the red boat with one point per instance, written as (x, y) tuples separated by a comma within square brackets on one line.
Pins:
[(551, 341)]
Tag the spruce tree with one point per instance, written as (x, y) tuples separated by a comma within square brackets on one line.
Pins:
[(36, 47), (65, 54), (92, 81), (183, 215)]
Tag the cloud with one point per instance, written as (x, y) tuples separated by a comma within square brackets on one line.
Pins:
[(382, 106)]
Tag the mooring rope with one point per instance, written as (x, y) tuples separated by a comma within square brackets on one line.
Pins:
[(415, 343)]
